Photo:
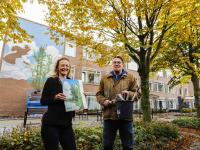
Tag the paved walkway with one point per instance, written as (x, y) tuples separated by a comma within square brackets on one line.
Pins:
[(7, 124)]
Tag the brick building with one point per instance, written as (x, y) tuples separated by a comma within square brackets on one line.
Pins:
[(17, 73)]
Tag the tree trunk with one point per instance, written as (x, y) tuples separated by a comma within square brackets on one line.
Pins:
[(196, 87), (145, 99)]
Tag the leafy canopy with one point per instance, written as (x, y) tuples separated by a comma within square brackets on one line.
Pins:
[(9, 25), (130, 27)]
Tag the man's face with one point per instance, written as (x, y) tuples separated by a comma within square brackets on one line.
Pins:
[(117, 66)]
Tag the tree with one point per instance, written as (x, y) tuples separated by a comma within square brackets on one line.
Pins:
[(133, 28), (40, 67), (9, 25), (184, 41)]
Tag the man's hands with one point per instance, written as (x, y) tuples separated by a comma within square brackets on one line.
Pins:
[(107, 102)]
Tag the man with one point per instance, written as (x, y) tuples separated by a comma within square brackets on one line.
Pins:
[(119, 81)]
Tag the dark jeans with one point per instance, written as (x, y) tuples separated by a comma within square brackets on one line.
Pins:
[(52, 134), (126, 132)]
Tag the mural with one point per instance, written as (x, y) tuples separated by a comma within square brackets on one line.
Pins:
[(31, 61)]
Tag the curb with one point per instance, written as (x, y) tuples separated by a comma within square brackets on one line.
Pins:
[(179, 144), (15, 118)]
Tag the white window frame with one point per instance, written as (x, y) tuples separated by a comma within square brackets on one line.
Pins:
[(71, 50), (135, 105), (72, 71), (86, 55), (132, 66), (163, 102), (97, 76), (173, 103), (151, 104), (172, 90), (94, 102), (186, 92), (150, 86), (161, 83), (176, 90), (137, 80), (160, 73), (84, 78), (181, 91)]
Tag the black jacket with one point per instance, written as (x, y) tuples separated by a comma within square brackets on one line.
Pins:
[(55, 114)]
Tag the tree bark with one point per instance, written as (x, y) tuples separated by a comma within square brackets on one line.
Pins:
[(145, 103), (196, 87)]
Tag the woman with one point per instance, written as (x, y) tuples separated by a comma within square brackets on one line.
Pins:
[(56, 122)]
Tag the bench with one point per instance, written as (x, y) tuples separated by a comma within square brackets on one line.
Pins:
[(99, 115), (84, 113), (33, 104)]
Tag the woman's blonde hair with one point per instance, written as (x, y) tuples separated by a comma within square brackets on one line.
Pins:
[(56, 72)]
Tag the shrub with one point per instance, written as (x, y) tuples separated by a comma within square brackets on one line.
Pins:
[(194, 110), (186, 110), (90, 138), (159, 110), (187, 122), (21, 138)]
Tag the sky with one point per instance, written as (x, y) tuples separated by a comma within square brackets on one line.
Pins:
[(34, 12)]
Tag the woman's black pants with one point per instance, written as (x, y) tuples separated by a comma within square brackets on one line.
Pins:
[(53, 134)]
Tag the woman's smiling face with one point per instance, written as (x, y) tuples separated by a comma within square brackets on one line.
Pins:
[(63, 67)]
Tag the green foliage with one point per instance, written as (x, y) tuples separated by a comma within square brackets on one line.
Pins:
[(9, 24), (147, 136), (185, 105), (194, 110), (187, 122), (159, 110), (186, 110), (21, 138), (157, 129)]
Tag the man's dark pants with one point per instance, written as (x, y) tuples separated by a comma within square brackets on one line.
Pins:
[(126, 132)]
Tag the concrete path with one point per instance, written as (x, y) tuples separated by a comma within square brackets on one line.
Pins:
[(7, 124)]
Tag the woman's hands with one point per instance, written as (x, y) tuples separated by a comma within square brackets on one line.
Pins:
[(61, 96)]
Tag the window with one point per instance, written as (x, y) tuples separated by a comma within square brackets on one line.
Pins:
[(189, 104), (186, 92), (70, 49), (90, 76), (137, 80), (161, 104), (150, 86), (90, 56), (181, 91), (194, 102), (132, 66), (176, 90), (170, 90), (159, 87), (160, 73), (168, 74), (83, 77), (91, 101), (151, 104), (135, 105), (72, 72), (171, 103)]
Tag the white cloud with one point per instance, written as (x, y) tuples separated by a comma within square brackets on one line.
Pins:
[(66, 89), (15, 71)]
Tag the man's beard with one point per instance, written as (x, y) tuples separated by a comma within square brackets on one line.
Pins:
[(117, 72)]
